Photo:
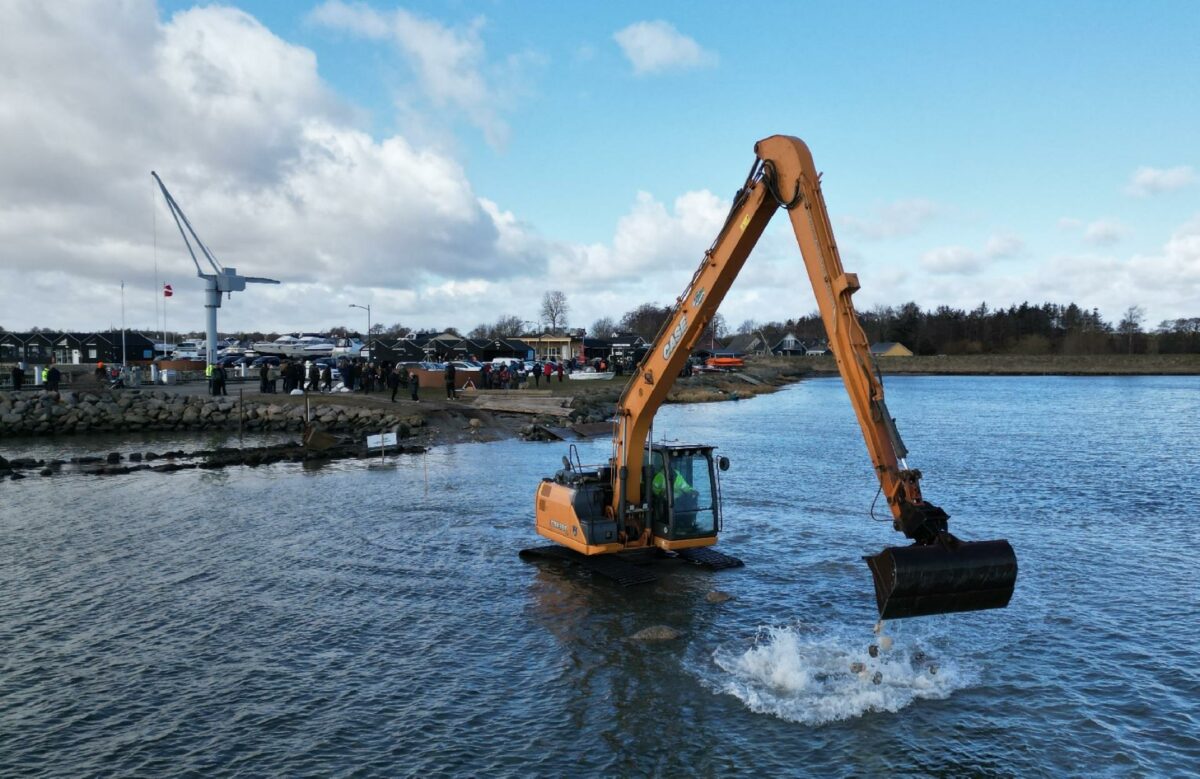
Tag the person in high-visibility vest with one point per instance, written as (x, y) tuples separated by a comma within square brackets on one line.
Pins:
[(45, 374), (208, 374), (679, 484)]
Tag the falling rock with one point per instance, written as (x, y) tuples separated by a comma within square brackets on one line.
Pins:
[(656, 633), (718, 596)]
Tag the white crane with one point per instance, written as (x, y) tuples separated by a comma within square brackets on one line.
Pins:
[(222, 279)]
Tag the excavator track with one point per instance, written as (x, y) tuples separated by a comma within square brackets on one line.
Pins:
[(609, 566), (709, 558)]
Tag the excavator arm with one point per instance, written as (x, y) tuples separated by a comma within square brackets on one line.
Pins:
[(783, 176), (938, 573)]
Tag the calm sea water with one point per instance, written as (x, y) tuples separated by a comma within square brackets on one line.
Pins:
[(342, 621)]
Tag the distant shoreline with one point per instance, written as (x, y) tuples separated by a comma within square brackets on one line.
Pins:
[(1021, 365)]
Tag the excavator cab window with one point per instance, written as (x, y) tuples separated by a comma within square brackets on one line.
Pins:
[(682, 494)]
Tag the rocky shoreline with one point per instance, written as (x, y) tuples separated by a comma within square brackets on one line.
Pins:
[(99, 411), (115, 463), (347, 418)]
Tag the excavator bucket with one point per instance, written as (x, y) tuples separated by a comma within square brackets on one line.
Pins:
[(915, 581)]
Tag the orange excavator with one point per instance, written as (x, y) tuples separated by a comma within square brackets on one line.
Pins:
[(665, 499)]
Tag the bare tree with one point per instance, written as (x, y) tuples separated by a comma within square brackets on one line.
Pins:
[(555, 310), (747, 327), (604, 327), (645, 320), (507, 327), (1131, 324)]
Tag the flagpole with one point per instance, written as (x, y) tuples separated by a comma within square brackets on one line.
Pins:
[(154, 222), (123, 363)]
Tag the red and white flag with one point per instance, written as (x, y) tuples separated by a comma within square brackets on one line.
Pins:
[(167, 291)]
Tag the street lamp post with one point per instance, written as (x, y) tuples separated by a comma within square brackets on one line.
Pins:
[(366, 308)]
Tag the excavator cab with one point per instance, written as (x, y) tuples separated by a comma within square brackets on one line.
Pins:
[(684, 492)]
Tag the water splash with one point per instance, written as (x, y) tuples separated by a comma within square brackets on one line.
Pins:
[(809, 679)]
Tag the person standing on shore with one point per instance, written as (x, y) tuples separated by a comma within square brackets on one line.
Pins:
[(393, 381), (219, 381), (560, 373), (314, 377), (264, 373), (327, 378), (52, 377), (451, 375), (414, 384), (18, 376)]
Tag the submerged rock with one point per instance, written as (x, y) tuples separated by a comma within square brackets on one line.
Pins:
[(656, 633), (718, 596)]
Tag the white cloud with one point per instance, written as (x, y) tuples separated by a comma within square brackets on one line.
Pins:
[(1004, 246), (952, 259), (1104, 232), (1069, 223), (1147, 181), (893, 220), (450, 64), (1179, 261), (961, 260), (655, 47), (265, 160), (1100, 279)]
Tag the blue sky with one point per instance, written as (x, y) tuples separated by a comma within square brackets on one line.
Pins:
[(970, 151)]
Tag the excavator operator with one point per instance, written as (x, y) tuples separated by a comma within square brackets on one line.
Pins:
[(679, 486)]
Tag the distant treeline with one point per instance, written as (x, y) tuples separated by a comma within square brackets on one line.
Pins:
[(1049, 328)]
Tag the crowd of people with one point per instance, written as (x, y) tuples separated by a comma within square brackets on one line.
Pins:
[(511, 374), (361, 375)]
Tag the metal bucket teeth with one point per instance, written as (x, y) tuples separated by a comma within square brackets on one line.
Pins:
[(915, 581)]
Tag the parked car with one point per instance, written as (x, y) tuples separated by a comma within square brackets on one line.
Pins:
[(268, 359)]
